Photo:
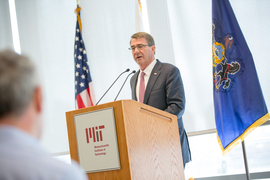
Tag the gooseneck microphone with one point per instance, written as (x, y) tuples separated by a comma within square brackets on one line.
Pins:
[(112, 85), (124, 84)]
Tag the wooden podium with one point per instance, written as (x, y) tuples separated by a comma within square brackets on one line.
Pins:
[(148, 142)]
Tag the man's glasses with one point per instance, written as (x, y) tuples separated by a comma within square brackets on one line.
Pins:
[(139, 47)]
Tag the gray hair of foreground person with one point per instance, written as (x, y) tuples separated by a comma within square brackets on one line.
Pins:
[(18, 82), (20, 93)]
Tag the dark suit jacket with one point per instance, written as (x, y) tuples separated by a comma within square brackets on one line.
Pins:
[(165, 91)]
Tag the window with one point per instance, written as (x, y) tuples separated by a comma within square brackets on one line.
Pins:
[(208, 161), (14, 27)]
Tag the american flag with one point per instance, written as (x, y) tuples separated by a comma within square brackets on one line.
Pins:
[(84, 94)]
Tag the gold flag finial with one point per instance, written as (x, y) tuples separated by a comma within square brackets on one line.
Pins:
[(77, 11)]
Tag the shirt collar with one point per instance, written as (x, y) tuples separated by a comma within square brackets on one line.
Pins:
[(149, 68)]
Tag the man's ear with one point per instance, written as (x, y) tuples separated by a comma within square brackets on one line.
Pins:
[(153, 48), (38, 99)]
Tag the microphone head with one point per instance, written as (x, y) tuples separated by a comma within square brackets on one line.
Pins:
[(133, 71), (127, 70)]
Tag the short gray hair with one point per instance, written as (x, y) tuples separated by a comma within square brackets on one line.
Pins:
[(18, 81), (149, 39)]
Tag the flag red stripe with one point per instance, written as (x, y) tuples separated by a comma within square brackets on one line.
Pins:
[(88, 91), (80, 102)]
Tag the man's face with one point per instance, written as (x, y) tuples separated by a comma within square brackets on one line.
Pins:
[(143, 56)]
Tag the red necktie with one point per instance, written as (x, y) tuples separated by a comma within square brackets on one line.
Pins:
[(142, 88)]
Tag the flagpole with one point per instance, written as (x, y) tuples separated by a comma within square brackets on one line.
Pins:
[(245, 160), (78, 4)]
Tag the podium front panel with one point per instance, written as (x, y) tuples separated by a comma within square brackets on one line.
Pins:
[(97, 140)]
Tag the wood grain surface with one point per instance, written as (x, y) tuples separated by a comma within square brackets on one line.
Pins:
[(148, 142)]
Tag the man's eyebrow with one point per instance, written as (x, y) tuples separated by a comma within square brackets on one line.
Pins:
[(136, 45)]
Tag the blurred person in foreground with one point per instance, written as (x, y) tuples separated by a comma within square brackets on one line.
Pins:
[(158, 84), (21, 155)]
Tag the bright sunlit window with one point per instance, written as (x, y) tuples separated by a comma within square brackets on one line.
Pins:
[(14, 27), (208, 161)]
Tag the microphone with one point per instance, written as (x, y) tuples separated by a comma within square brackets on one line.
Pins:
[(112, 85), (124, 83)]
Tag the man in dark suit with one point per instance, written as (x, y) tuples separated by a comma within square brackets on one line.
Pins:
[(158, 84)]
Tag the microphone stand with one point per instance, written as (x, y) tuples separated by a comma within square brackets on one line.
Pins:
[(124, 84), (112, 85)]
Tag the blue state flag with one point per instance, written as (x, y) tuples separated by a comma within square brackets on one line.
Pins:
[(238, 99)]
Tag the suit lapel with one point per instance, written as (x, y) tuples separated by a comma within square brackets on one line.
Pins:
[(152, 80), (133, 85)]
